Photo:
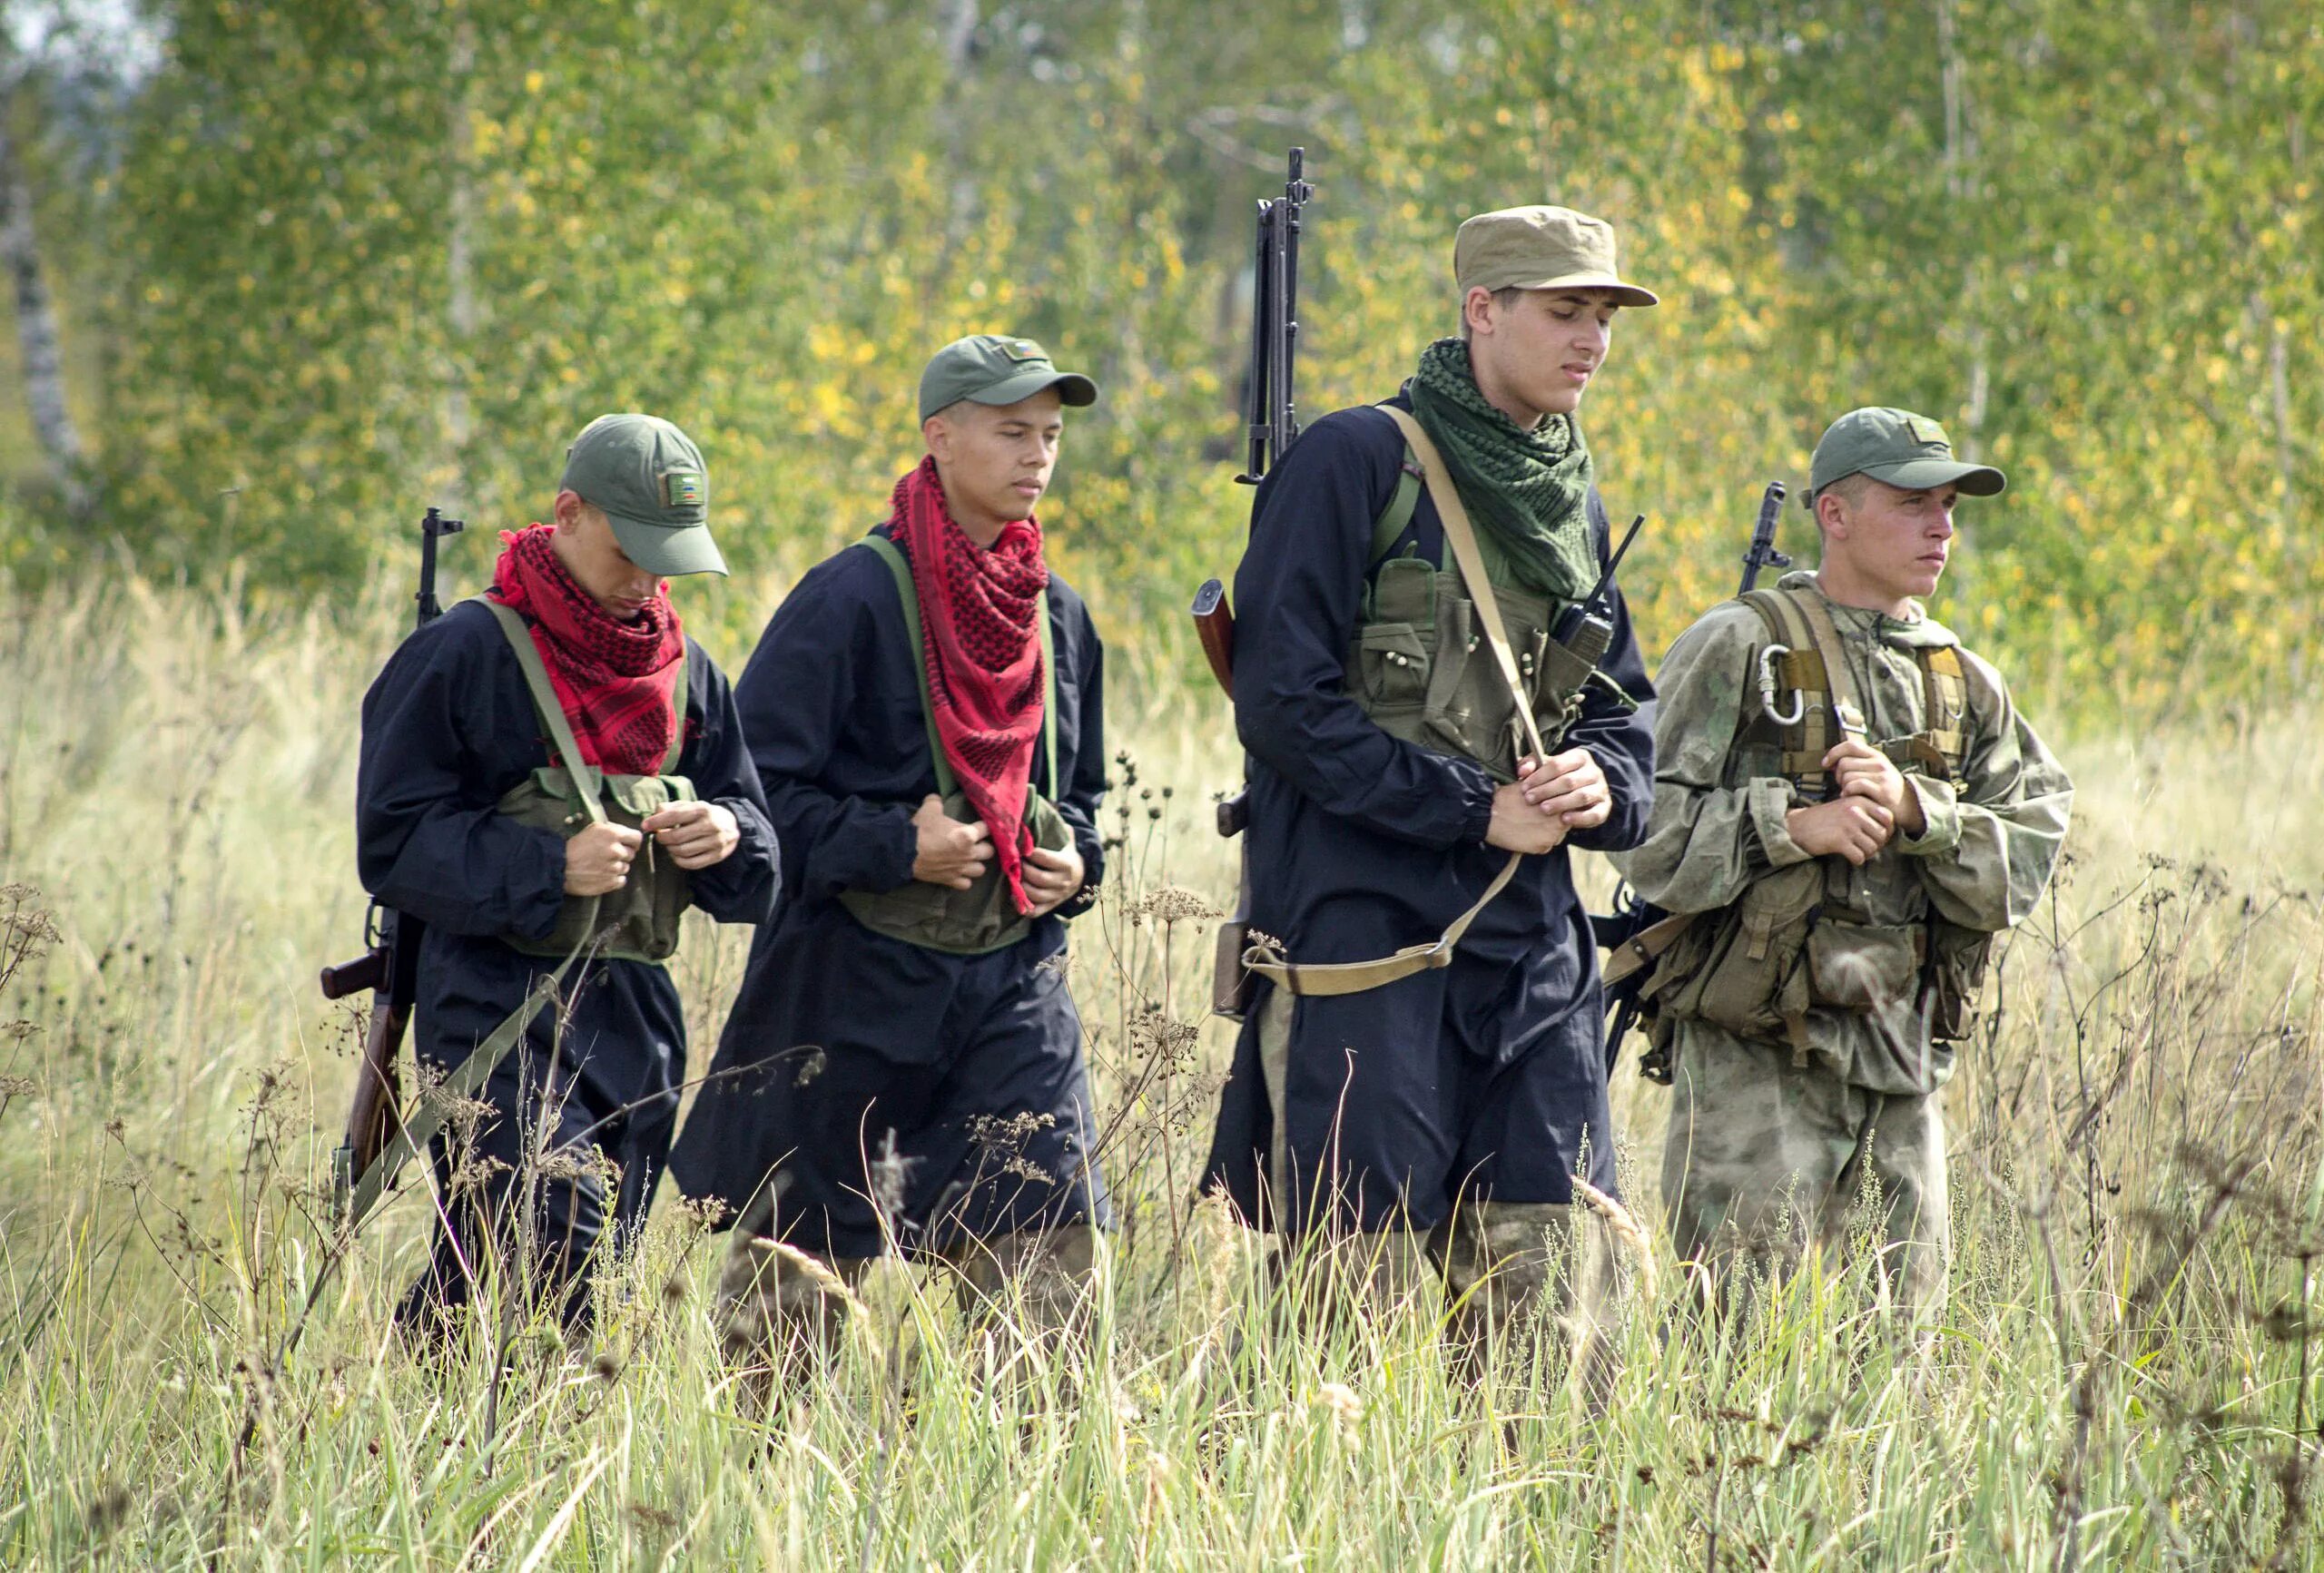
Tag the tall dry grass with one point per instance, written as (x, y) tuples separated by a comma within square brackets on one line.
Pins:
[(2125, 1377)]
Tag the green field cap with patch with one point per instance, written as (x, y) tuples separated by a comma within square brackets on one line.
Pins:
[(1899, 448), (649, 479), (1540, 247), (991, 369)]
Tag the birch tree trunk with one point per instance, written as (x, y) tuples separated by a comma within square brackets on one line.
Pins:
[(37, 336), (459, 263)]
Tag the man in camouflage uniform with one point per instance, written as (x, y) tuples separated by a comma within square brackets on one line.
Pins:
[(1848, 892)]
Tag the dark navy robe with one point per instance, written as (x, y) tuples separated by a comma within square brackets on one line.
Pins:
[(450, 727), (841, 1035), (1485, 1079)]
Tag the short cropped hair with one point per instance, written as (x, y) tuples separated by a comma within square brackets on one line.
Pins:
[(1505, 299), (1851, 489)]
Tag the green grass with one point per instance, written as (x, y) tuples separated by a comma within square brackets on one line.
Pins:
[(2124, 1376)]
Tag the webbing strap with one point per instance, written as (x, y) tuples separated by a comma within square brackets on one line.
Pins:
[(1399, 511), (1847, 709), (415, 1128), (1267, 957), (1816, 668), (1455, 519), (1643, 949), (586, 776), (1945, 707), (908, 594)]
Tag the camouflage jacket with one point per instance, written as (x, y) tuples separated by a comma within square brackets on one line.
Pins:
[(1983, 857)]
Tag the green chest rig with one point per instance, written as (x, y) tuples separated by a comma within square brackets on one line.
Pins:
[(984, 917), (639, 922)]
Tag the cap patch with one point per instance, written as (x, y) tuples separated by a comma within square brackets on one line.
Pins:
[(1928, 432), (1021, 349), (683, 488)]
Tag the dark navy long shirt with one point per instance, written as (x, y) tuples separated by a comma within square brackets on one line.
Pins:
[(831, 702), (1362, 843), (449, 727)]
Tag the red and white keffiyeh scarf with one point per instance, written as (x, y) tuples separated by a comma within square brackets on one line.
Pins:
[(618, 681), (982, 648)]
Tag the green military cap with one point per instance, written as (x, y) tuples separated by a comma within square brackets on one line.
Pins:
[(648, 478), (1899, 448), (1540, 247), (991, 369)]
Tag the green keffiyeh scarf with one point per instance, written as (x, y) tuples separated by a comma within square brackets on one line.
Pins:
[(1526, 490)]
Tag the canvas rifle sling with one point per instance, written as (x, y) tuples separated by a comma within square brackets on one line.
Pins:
[(1267, 957)]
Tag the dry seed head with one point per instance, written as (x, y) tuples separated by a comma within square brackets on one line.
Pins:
[(808, 1267), (1622, 1226), (1339, 1400), (1175, 904)]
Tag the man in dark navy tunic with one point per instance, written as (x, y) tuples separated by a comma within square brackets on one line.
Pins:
[(1451, 1109), (933, 757), (585, 1103)]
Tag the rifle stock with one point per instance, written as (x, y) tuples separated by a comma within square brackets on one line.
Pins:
[(390, 968), (1215, 626)]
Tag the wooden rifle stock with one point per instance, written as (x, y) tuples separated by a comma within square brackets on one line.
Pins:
[(390, 968), (1214, 626), (371, 1120)]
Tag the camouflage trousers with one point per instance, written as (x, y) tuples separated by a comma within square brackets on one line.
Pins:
[(1766, 1161)]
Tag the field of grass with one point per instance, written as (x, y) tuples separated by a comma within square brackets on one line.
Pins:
[(2126, 1376)]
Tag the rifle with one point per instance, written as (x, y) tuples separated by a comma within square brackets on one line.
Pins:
[(1637, 930), (389, 967), (1763, 553), (1273, 425), (1274, 411)]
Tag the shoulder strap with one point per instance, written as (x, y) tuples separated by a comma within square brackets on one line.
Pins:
[(1266, 957), (1944, 711), (1049, 695), (1463, 542), (885, 550), (908, 595), (1399, 511), (1848, 710), (1813, 666), (677, 714), (552, 714)]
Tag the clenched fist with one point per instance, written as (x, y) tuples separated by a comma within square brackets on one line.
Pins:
[(950, 853), (1864, 772), (1053, 878), (596, 861)]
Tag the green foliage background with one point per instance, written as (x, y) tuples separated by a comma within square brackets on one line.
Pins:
[(359, 256)]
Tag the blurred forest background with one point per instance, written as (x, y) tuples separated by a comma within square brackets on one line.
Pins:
[(285, 273)]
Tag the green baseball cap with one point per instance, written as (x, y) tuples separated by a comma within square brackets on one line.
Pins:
[(649, 479), (1540, 247), (1899, 448), (992, 370)]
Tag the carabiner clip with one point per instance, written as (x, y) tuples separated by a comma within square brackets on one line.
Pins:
[(1767, 657)]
